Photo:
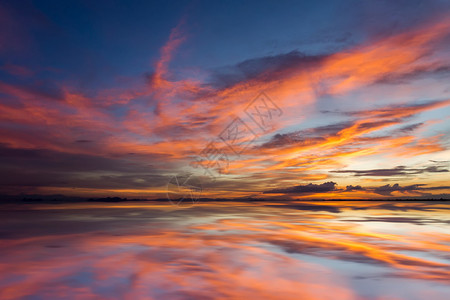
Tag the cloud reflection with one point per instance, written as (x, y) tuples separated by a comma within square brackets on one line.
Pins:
[(226, 251)]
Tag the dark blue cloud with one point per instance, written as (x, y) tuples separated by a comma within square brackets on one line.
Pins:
[(310, 188)]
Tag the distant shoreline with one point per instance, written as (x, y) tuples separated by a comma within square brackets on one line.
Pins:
[(59, 199)]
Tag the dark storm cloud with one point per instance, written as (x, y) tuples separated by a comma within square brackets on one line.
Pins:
[(397, 171), (305, 189)]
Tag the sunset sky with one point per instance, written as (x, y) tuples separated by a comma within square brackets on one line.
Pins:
[(330, 99)]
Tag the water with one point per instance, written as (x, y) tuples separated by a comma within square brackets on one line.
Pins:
[(231, 250)]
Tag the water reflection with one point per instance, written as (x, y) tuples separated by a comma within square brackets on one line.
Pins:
[(300, 250)]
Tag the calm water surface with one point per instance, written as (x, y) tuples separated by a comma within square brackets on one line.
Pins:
[(295, 250)]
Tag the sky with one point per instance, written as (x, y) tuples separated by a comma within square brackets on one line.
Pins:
[(232, 99)]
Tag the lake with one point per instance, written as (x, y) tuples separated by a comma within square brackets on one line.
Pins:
[(226, 250)]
